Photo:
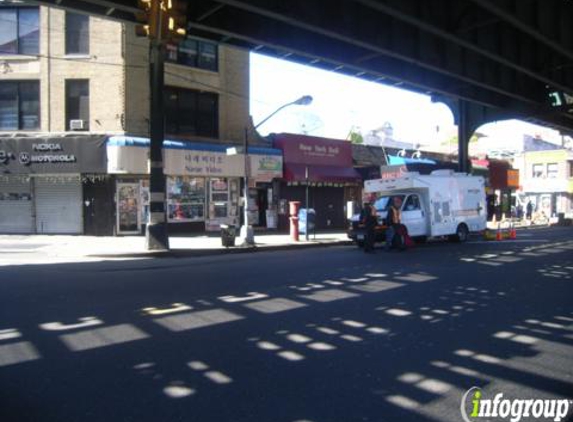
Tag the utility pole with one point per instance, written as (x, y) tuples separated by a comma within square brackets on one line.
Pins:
[(162, 21)]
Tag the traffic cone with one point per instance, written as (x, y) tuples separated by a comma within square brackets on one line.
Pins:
[(498, 234), (512, 232)]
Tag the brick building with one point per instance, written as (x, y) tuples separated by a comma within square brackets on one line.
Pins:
[(74, 126)]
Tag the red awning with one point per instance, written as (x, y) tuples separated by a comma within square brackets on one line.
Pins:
[(294, 172)]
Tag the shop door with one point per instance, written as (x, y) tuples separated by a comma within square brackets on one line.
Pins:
[(58, 204), (98, 207), (128, 208), (328, 203), (15, 206), (263, 205)]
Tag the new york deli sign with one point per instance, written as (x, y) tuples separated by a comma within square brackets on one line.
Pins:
[(52, 155), (313, 150)]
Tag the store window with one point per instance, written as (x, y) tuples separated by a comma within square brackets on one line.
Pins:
[(191, 112), (185, 199), (537, 171), (127, 208), (224, 197), (19, 105), (77, 104), (194, 53), (20, 30), (77, 33), (552, 170)]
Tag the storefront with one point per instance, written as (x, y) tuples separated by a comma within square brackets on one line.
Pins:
[(501, 182), (203, 183), (42, 182), (323, 168)]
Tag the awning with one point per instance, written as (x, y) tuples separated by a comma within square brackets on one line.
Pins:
[(394, 160), (129, 155), (294, 172)]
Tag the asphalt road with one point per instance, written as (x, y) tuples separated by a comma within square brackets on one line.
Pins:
[(317, 335)]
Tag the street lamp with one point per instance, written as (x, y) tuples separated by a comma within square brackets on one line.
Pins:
[(247, 232)]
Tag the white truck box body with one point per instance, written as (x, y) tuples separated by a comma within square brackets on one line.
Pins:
[(447, 199)]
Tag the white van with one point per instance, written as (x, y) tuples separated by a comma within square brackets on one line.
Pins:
[(443, 203)]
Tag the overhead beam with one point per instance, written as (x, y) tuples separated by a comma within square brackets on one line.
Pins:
[(210, 12), (497, 10), (114, 10), (426, 27), (477, 96), (265, 12)]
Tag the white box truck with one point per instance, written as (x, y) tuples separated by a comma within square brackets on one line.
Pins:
[(443, 203)]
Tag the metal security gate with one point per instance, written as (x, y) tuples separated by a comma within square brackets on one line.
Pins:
[(58, 204), (16, 205)]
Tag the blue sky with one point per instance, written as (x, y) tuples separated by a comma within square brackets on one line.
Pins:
[(343, 102)]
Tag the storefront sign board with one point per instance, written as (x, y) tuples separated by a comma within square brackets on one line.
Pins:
[(311, 150), (42, 155)]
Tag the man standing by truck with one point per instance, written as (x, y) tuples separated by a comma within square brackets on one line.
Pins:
[(392, 220), (368, 218)]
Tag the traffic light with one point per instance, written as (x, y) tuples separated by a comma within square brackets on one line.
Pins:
[(175, 20), (166, 18), (148, 18)]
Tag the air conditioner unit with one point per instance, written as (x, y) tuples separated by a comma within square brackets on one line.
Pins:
[(77, 125)]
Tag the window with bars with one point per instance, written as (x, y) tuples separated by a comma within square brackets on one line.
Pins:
[(77, 33), (552, 170), (19, 105), (537, 171), (19, 30), (194, 53), (77, 104), (191, 112)]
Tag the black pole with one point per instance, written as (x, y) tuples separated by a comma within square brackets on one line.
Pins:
[(156, 230), (463, 137), (306, 203), (246, 231)]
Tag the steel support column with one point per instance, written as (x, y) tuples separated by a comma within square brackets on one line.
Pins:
[(156, 230), (464, 135)]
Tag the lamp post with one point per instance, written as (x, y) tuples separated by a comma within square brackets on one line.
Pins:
[(247, 233)]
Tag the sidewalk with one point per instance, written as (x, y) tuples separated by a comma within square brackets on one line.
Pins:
[(518, 224), (69, 248)]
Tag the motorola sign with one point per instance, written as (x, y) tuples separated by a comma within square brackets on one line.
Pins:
[(53, 155)]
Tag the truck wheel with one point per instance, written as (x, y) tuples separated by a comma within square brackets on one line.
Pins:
[(421, 239), (462, 233), (360, 243)]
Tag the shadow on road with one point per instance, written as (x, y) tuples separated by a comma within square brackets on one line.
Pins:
[(304, 337)]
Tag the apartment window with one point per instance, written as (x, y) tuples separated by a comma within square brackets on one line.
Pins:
[(77, 33), (19, 30), (537, 171), (19, 105), (194, 53), (77, 104), (552, 170), (191, 112)]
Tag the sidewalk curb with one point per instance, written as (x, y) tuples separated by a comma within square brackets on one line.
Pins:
[(187, 253)]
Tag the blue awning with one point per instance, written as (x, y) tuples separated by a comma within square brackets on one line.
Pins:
[(396, 160), (134, 141)]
